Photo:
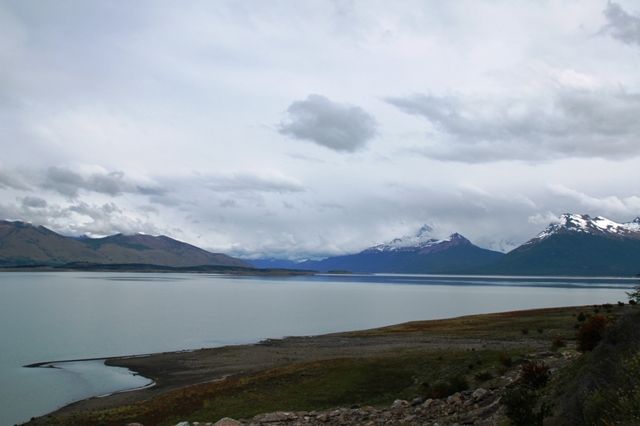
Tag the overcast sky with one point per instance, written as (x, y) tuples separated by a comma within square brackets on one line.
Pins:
[(300, 129)]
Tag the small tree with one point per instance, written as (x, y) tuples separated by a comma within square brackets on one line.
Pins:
[(591, 333), (634, 295)]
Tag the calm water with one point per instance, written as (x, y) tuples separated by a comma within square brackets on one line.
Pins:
[(71, 316)]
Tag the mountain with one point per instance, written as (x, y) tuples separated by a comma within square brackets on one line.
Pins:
[(576, 245), (24, 244), (419, 254)]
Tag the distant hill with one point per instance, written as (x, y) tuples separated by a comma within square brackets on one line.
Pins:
[(24, 244), (409, 255), (576, 245)]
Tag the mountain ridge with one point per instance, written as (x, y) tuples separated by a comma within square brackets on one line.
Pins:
[(410, 254), (24, 244), (575, 245)]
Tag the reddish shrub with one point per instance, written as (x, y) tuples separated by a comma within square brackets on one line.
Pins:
[(535, 375), (558, 343), (591, 333)]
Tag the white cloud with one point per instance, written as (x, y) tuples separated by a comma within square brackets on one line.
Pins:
[(625, 208)]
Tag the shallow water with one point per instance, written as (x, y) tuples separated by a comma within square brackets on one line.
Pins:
[(71, 316)]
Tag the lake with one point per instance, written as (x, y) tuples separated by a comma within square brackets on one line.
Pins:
[(58, 316)]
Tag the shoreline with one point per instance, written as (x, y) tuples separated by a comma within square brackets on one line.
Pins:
[(173, 371)]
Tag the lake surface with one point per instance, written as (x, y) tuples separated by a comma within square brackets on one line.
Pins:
[(53, 317)]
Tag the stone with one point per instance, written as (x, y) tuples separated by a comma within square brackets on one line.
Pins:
[(416, 401), (478, 393), (227, 421), (183, 424), (427, 403), (272, 418)]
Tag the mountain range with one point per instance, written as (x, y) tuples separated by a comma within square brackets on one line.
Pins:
[(576, 245), (22, 244)]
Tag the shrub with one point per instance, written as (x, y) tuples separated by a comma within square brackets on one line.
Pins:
[(540, 330), (444, 388), (521, 403), (634, 296), (582, 317), (535, 375), (558, 343), (505, 360), (483, 376), (525, 331), (591, 333)]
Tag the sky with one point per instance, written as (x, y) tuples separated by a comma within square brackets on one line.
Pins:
[(299, 130)]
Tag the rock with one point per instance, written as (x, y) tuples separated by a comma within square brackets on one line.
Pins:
[(478, 393), (227, 421), (134, 424), (416, 401), (399, 403), (427, 403), (272, 418), (183, 424)]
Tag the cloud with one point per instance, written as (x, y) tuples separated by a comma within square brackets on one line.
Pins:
[(108, 219), (573, 120), (260, 181), (35, 202), (628, 207), (68, 183), (621, 25), (13, 179), (340, 127)]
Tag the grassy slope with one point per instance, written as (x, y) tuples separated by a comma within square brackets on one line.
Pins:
[(347, 381)]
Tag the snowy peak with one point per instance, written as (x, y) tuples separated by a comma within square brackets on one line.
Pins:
[(582, 223), (422, 242)]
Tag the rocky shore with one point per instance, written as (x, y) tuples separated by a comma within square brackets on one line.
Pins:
[(463, 408)]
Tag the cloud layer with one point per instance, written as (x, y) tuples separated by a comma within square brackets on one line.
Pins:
[(320, 128)]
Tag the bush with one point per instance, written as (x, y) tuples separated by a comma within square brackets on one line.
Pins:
[(505, 360), (591, 333), (444, 388), (558, 343), (582, 317), (521, 403), (634, 296), (535, 376), (483, 376)]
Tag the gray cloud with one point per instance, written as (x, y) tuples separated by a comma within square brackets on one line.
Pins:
[(67, 182), (572, 122), (13, 179), (35, 202), (621, 25), (340, 127), (267, 181)]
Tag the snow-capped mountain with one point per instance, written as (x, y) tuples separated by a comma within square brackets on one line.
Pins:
[(418, 254), (421, 239), (422, 245), (576, 245), (583, 223)]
